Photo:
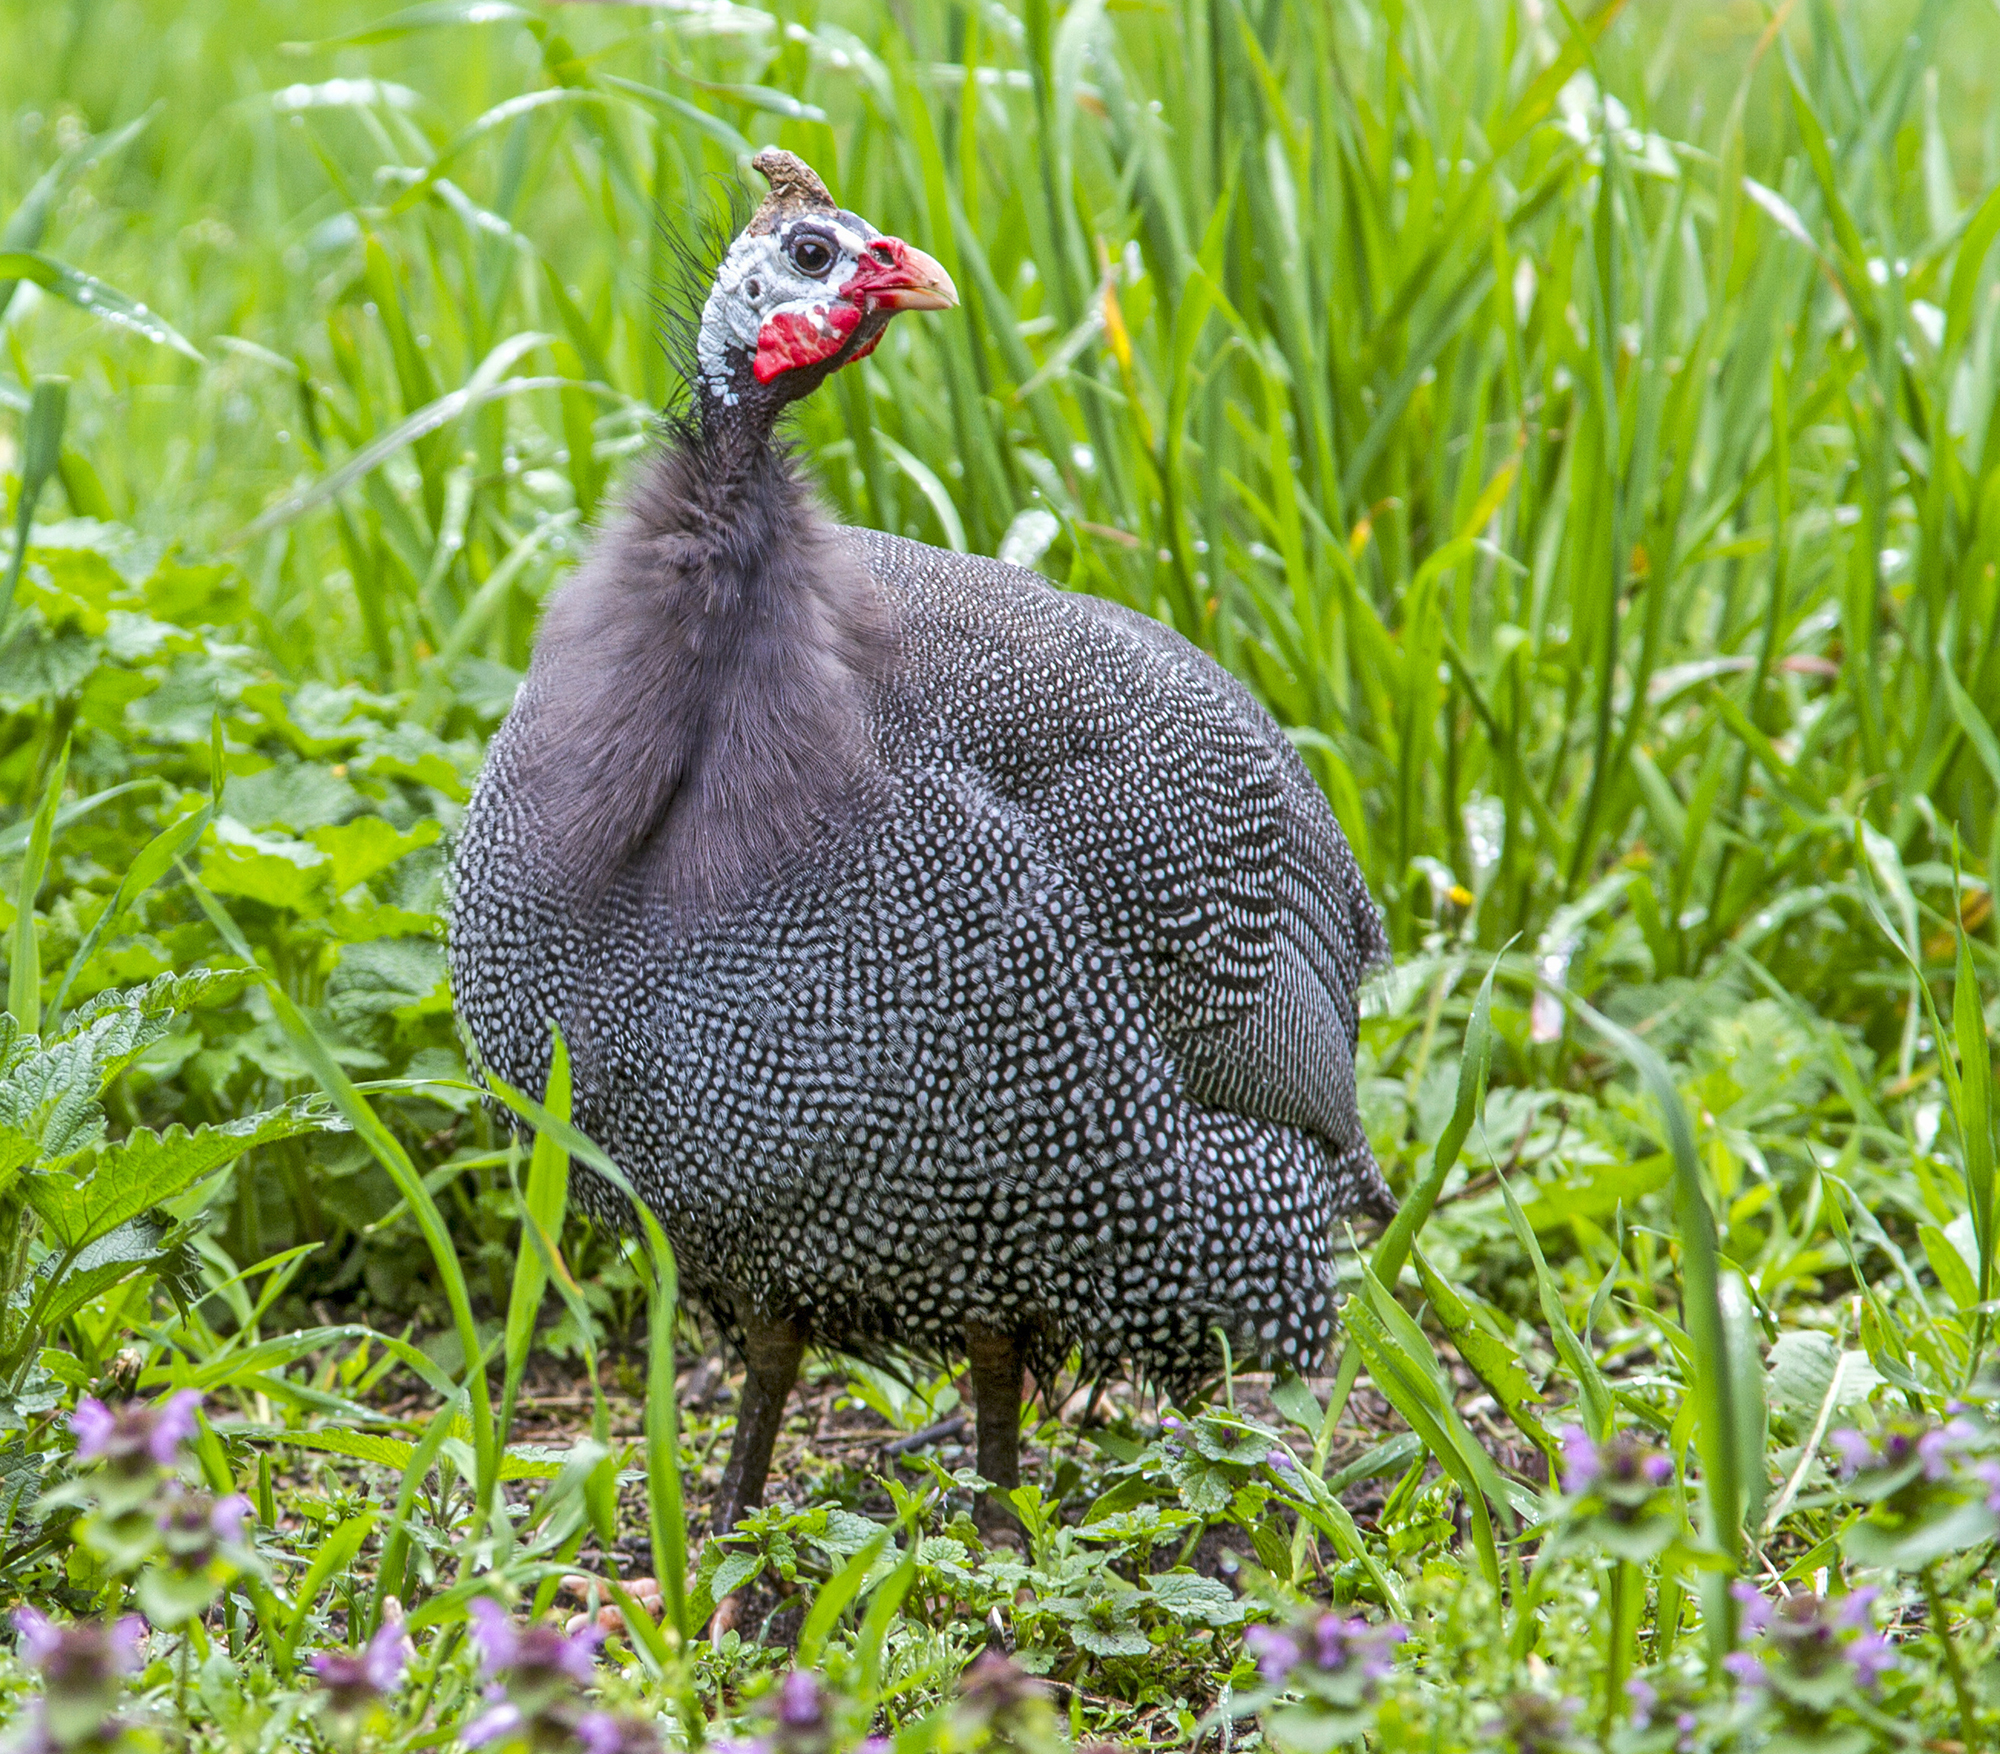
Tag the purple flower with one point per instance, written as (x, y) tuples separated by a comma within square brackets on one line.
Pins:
[(355, 1680), (1934, 1450), (601, 1733), (85, 1655), (1871, 1654), (1854, 1450), (1645, 1698), (1658, 1468), (135, 1433), (535, 1655), (1276, 1653), (1283, 1460), (493, 1628), (501, 1720), (1856, 1612), (1581, 1462), (1756, 1610), (1745, 1668), (228, 1517), (173, 1424), (93, 1422), (801, 1703), (40, 1636), (1988, 1474)]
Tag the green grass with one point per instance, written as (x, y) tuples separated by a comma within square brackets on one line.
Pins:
[(1580, 430)]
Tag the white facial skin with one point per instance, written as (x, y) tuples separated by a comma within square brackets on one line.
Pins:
[(772, 274)]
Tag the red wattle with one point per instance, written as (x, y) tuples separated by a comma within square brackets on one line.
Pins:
[(792, 339)]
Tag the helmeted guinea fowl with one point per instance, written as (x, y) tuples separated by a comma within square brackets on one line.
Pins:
[(948, 961)]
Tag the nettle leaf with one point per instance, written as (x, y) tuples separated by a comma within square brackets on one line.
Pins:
[(1206, 1487), (49, 1111), (166, 995), (387, 975), (1196, 1600), (1107, 1625), (142, 1245), (1809, 1370), (299, 795), (408, 752), (273, 869), (147, 1169), (733, 1572), (367, 846), (37, 665)]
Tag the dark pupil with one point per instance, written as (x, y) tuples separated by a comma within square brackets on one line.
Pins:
[(811, 255)]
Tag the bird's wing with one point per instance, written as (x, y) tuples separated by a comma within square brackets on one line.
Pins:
[(1219, 872)]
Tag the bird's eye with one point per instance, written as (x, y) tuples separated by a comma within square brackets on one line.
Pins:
[(810, 255)]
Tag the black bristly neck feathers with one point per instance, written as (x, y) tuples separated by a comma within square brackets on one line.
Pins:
[(696, 716)]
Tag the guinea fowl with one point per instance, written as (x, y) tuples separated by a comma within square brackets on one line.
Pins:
[(953, 964)]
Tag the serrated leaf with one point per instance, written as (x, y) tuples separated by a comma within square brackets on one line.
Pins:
[(1110, 1641), (1204, 1601), (734, 1571), (149, 1168), (138, 1246)]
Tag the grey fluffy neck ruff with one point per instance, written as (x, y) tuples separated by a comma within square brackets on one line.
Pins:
[(696, 719)]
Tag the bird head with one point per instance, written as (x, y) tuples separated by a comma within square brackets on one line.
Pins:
[(804, 289)]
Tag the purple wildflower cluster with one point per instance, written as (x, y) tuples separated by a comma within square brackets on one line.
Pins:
[(357, 1683), (136, 1439), (1616, 1491), (1930, 1489), (1622, 1464), (1652, 1712), (83, 1667), (801, 1720), (1809, 1654), (182, 1545), (1328, 1643), (535, 1676), (1955, 1453)]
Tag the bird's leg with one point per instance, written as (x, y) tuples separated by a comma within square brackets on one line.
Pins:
[(772, 1349), (996, 1398), (771, 1353)]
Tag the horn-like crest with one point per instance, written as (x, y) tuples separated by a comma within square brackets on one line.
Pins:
[(795, 188)]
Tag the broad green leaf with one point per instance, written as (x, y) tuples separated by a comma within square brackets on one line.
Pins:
[(272, 869), (368, 846)]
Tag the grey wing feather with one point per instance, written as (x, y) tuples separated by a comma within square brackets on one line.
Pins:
[(1289, 1055), (1220, 871)]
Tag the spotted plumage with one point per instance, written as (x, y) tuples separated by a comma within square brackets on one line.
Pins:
[(936, 951)]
